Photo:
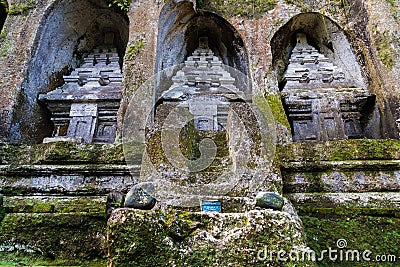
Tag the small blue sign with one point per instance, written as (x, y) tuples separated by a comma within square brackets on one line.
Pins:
[(211, 206)]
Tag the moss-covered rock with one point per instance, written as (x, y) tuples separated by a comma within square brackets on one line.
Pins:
[(243, 8), (275, 104), (379, 235), (61, 152), (69, 239), (384, 43), (341, 150), (21, 8), (177, 238)]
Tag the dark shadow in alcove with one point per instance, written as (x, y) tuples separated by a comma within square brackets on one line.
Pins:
[(68, 31), (223, 40), (3, 13)]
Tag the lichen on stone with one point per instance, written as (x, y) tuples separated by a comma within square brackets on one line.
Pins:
[(384, 42), (172, 237), (134, 49), (22, 8), (244, 8)]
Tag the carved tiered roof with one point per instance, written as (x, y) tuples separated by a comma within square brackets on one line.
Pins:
[(309, 68), (203, 73), (99, 77)]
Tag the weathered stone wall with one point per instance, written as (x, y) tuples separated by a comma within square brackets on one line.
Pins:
[(331, 184), (371, 35), (353, 46), (16, 50)]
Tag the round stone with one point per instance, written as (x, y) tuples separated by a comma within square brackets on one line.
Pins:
[(138, 198), (269, 200)]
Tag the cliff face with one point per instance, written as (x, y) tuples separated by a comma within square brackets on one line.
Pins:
[(360, 36), (340, 82)]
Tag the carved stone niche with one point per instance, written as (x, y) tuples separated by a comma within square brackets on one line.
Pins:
[(321, 103), (204, 87), (85, 108)]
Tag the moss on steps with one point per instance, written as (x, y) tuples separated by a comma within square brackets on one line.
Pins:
[(54, 204), (68, 239), (371, 204), (60, 152), (379, 235), (340, 150)]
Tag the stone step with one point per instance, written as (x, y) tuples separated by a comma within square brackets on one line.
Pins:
[(67, 179), (96, 205), (341, 176), (54, 235), (374, 203)]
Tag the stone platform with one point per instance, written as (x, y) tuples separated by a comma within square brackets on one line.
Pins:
[(81, 217), (177, 238)]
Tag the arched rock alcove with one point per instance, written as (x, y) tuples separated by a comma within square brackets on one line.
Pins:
[(68, 32), (322, 85), (180, 29), (215, 63)]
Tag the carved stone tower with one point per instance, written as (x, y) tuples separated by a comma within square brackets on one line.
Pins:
[(205, 87), (84, 109), (321, 102)]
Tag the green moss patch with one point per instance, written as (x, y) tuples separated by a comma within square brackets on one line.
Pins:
[(70, 239), (22, 8), (177, 238), (384, 43), (134, 49), (379, 235), (121, 4), (92, 205), (341, 150), (275, 104), (2, 210), (243, 8), (24, 259), (394, 7)]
